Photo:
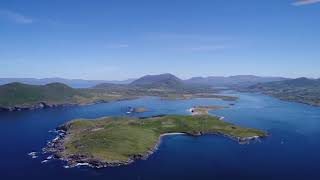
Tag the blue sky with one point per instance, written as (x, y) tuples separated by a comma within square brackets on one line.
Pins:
[(119, 39)]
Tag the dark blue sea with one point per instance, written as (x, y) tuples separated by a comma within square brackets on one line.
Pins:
[(292, 151)]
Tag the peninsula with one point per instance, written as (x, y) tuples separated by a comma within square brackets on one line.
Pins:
[(301, 90), (116, 141)]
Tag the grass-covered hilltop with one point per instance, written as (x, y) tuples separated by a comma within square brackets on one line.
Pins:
[(19, 96), (302, 90), (114, 141)]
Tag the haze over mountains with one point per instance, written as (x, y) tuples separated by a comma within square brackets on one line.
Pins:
[(162, 79), (155, 83), (75, 83), (239, 80), (18, 96), (299, 82), (302, 90)]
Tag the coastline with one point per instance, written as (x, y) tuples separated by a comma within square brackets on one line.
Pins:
[(204, 110), (45, 105), (282, 98), (55, 147)]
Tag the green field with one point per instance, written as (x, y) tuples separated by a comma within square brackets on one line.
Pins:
[(119, 139)]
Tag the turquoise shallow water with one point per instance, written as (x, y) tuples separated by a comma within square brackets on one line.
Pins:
[(291, 152)]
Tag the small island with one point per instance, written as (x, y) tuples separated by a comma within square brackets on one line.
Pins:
[(116, 141), (137, 110), (204, 110)]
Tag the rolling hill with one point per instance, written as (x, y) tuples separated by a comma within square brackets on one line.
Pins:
[(301, 90), (75, 83), (232, 81), (24, 94), (18, 96)]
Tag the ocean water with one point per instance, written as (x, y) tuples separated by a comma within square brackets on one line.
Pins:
[(292, 151)]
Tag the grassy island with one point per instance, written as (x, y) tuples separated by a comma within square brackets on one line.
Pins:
[(204, 110), (114, 141)]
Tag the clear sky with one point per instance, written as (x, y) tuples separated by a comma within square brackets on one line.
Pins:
[(119, 39)]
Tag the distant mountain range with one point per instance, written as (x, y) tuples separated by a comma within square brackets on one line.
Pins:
[(301, 90), (75, 83), (165, 86), (149, 82), (296, 83), (169, 81), (163, 80), (239, 80), (299, 83), (18, 95)]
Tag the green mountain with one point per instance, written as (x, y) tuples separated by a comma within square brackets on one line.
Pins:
[(232, 81), (74, 83), (294, 83), (301, 90), (18, 94), (111, 86), (162, 85), (165, 81)]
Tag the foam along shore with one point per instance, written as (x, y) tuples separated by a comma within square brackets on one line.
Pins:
[(116, 141), (45, 105), (171, 134), (33, 155)]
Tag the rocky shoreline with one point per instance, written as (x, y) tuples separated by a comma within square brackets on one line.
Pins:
[(55, 147), (41, 105), (44, 105)]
